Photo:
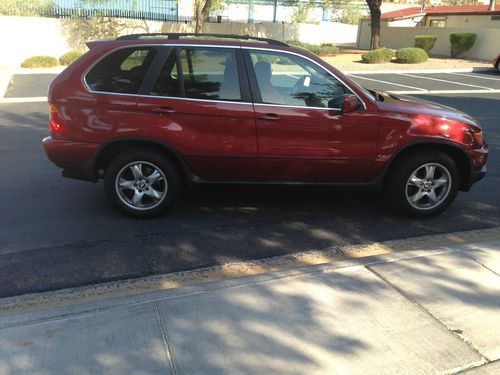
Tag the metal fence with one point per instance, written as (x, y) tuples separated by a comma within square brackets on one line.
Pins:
[(155, 10), (168, 10)]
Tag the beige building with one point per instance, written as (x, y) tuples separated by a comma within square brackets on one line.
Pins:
[(398, 28)]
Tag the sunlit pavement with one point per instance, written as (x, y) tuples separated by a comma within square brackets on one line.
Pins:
[(420, 312)]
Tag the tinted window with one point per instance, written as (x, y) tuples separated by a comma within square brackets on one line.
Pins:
[(291, 80), (167, 83), (121, 71), (210, 73)]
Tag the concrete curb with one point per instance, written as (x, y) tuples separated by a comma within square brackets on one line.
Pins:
[(334, 257), (403, 71), (55, 70), (5, 77), (29, 99)]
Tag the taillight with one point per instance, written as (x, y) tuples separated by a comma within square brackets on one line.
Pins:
[(56, 122)]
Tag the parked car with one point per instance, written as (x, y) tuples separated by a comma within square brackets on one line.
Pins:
[(151, 113), (496, 62)]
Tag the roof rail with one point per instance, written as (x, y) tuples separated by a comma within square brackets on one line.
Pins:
[(176, 36)]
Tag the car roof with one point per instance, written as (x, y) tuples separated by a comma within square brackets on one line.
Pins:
[(190, 39)]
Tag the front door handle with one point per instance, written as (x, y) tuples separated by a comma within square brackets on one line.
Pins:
[(163, 110), (270, 117)]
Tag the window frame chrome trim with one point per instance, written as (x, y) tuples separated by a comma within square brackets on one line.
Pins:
[(87, 88), (297, 106)]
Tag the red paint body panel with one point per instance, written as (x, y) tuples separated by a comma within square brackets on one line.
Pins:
[(216, 139), (231, 141), (69, 153), (316, 144)]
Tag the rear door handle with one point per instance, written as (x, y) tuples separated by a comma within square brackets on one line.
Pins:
[(270, 117), (163, 110)]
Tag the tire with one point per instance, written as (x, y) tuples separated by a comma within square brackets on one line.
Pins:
[(414, 192), (497, 66), (141, 183)]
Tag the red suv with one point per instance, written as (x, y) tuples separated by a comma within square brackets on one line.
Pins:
[(149, 113)]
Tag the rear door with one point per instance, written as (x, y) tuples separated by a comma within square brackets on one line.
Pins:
[(198, 102), (302, 133), (115, 80)]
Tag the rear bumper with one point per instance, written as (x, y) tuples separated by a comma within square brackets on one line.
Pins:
[(77, 159)]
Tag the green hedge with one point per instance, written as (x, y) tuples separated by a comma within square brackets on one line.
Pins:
[(425, 42), (323, 49), (377, 56), (461, 43), (39, 62), (411, 55), (69, 57)]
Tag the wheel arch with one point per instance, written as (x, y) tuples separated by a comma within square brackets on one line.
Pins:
[(109, 150), (458, 154)]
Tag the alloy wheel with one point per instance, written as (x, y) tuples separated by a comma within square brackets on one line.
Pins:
[(141, 185), (428, 186)]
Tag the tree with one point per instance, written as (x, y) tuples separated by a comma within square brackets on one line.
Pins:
[(301, 13), (351, 14), (202, 9), (23, 8), (80, 30), (375, 14)]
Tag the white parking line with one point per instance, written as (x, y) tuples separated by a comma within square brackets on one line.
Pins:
[(475, 76), (443, 80), (33, 99), (387, 83), (430, 92)]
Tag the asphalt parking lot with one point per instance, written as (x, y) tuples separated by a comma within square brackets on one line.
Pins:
[(57, 232)]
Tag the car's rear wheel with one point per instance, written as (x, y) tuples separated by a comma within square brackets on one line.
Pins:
[(141, 183), (424, 184)]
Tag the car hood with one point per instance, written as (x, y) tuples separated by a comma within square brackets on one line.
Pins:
[(406, 104)]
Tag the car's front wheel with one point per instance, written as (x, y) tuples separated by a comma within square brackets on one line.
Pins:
[(424, 184), (141, 183)]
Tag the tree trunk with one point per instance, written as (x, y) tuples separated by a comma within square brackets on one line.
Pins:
[(375, 14), (492, 5), (201, 12)]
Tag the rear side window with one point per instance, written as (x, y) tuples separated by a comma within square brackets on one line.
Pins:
[(122, 71), (210, 73), (167, 83)]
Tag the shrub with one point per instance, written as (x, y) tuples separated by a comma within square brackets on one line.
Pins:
[(39, 62), (411, 55), (377, 56), (327, 49), (461, 43), (324, 49), (69, 57), (425, 42)]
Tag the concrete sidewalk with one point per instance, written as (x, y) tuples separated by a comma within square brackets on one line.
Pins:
[(413, 312)]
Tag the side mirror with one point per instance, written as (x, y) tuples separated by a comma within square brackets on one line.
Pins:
[(350, 103)]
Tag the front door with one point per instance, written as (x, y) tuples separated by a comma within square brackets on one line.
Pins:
[(199, 104), (302, 133)]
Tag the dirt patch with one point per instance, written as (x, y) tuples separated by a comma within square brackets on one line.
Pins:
[(350, 60)]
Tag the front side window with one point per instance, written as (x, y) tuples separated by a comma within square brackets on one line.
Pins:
[(210, 73), (122, 71), (291, 80)]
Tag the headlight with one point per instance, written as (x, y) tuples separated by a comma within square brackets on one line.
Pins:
[(478, 137)]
